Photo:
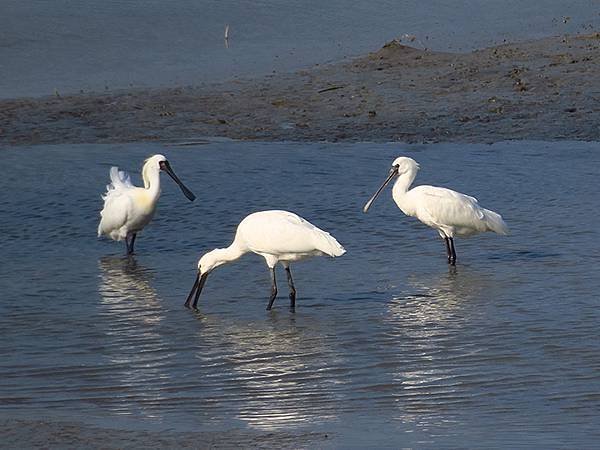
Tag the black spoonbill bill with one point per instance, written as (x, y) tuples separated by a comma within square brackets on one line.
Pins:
[(449, 212), (279, 237), (128, 209)]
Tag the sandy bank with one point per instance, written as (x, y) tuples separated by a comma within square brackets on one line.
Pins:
[(544, 89)]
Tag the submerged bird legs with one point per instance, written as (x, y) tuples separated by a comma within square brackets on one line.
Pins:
[(129, 242), (194, 295), (290, 281), (450, 250)]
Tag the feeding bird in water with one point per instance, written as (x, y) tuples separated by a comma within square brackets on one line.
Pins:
[(128, 209), (449, 212), (279, 237)]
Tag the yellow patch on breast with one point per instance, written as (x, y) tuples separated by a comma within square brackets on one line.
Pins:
[(144, 201)]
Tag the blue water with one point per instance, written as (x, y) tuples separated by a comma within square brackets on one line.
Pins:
[(115, 44), (387, 345)]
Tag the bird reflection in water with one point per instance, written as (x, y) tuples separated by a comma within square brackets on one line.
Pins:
[(432, 325), (134, 345), (125, 285), (437, 299), (279, 380)]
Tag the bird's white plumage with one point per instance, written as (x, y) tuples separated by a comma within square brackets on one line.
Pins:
[(452, 213), (278, 236), (448, 211), (285, 235), (127, 208), (118, 180)]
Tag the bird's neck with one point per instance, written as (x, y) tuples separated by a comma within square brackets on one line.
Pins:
[(401, 187), (151, 181), (229, 254)]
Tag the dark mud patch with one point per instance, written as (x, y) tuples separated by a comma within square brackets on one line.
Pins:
[(545, 89)]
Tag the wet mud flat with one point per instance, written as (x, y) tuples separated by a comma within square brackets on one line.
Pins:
[(544, 89)]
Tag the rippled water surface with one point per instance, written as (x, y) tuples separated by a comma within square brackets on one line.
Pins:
[(387, 346)]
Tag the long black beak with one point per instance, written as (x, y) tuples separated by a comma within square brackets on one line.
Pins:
[(392, 174), (196, 289), (164, 165)]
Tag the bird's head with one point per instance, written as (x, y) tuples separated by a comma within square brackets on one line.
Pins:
[(404, 164), (206, 264), (155, 162), (400, 166), (210, 261), (159, 163)]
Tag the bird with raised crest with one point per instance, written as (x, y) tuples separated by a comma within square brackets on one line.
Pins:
[(127, 208)]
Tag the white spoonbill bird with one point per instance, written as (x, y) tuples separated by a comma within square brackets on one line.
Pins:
[(128, 209), (449, 212), (277, 236)]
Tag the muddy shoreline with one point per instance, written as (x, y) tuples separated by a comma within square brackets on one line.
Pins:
[(546, 89)]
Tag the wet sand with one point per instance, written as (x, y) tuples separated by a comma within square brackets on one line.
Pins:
[(545, 89)]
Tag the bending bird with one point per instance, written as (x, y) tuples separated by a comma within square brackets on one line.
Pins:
[(279, 237)]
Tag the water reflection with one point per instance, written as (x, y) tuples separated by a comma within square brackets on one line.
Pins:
[(505, 344), (436, 299), (279, 381), (138, 355), (430, 323), (123, 280)]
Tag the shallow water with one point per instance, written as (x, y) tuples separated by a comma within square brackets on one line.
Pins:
[(108, 45), (387, 346)]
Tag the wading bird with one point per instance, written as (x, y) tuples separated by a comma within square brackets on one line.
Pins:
[(279, 237), (128, 209), (449, 212)]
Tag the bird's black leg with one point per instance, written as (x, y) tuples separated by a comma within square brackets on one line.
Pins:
[(129, 242), (132, 241), (448, 250), (453, 258), (273, 288), (292, 287)]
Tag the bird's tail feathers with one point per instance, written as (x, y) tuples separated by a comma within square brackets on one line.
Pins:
[(495, 222), (328, 244), (118, 180)]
